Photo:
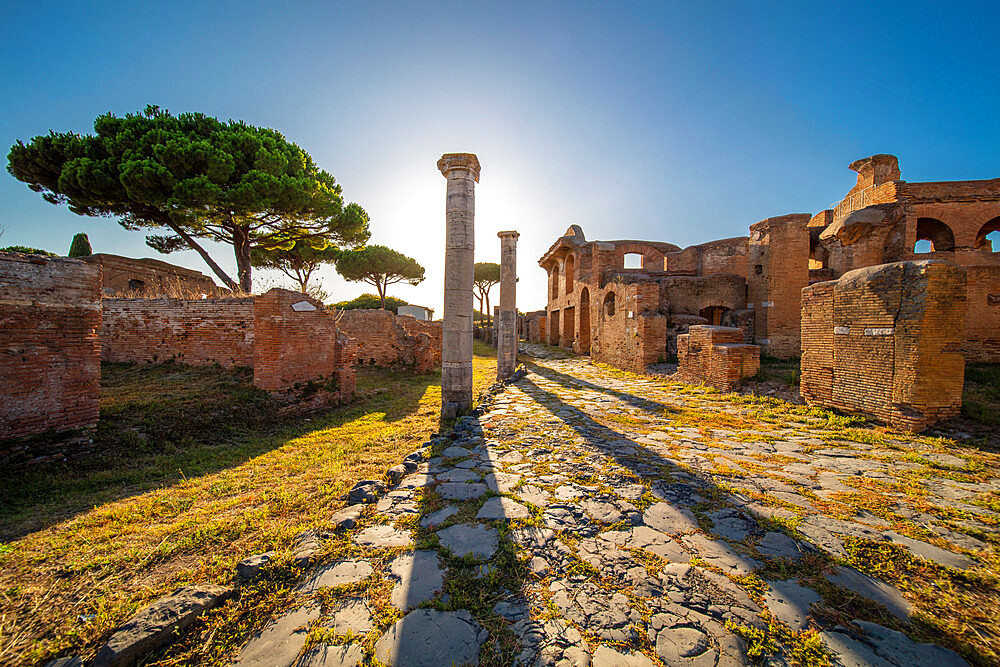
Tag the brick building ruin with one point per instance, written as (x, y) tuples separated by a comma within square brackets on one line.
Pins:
[(57, 325), (147, 277), (625, 302)]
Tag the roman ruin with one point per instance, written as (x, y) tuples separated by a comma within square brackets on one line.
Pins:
[(507, 314), (626, 302), (462, 172)]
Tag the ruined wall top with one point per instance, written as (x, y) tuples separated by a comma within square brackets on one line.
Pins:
[(876, 170)]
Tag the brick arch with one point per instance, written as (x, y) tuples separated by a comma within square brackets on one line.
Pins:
[(569, 272), (940, 235), (984, 243), (652, 258)]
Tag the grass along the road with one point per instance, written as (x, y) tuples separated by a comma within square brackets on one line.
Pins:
[(193, 475)]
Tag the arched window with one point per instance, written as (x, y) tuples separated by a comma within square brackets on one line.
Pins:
[(569, 269), (633, 260), (988, 238), (937, 233), (608, 308)]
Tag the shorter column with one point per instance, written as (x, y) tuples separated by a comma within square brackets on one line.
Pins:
[(507, 319)]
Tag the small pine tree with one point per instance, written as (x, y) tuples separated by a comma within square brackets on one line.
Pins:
[(80, 247)]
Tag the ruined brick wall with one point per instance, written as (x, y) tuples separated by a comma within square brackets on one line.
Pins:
[(631, 333), (715, 356), (50, 316), (722, 256), (151, 277), (383, 338), (296, 342), (198, 332), (982, 319), (896, 332), (779, 269)]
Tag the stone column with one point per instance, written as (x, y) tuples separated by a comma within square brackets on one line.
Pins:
[(462, 172), (507, 319)]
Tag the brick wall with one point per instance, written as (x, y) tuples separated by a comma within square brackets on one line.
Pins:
[(198, 332), (296, 343), (779, 269), (982, 320), (631, 333), (151, 277), (896, 333), (385, 339), (715, 356), (50, 315)]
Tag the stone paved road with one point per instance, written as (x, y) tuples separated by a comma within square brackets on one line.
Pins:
[(593, 517)]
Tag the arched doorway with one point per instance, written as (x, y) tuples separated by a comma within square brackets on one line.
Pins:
[(714, 314), (583, 336)]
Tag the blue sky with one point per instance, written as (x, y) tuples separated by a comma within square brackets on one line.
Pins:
[(680, 122)]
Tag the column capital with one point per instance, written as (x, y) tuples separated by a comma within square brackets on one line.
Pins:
[(510, 234), (464, 161)]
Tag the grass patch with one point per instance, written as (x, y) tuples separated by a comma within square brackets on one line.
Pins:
[(193, 475)]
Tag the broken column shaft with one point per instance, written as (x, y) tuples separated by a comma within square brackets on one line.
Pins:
[(462, 172), (507, 319)]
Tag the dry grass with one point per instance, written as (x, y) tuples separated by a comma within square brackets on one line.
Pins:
[(193, 477)]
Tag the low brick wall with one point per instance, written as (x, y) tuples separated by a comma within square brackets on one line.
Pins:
[(386, 339), (716, 356), (198, 332), (632, 333), (887, 341), (50, 315), (296, 342)]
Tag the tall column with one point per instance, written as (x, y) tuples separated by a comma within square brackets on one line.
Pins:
[(462, 172), (507, 320)]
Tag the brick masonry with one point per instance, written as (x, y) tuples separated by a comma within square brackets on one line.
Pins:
[(297, 346), (887, 341), (386, 339), (716, 356), (198, 332), (50, 316)]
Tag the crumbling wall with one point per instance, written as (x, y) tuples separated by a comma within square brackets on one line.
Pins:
[(722, 256), (297, 346), (150, 277), (716, 356), (896, 333), (386, 339), (982, 319), (50, 315), (779, 269), (198, 332), (632, 332)]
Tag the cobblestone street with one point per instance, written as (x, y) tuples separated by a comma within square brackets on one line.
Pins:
[(595, 517)]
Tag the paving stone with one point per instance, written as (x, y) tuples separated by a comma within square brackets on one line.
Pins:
[(719, 554), (552, 642), (605, 656), (469, 539), (732, 524), (502, 482), (382, 536), (337, 573), (279, 643), (346, 518), (459, 475), (667, 518), (931, 552), (899, 648), (502, 508), (330, 655), (608, 615), (603, 512), (248, 568), (418, 576), (350, 615), (455, 452), (779, 545), (789, 602), (431, 638), (873, 589), (158, 623), (439, 517), (461, 490)]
